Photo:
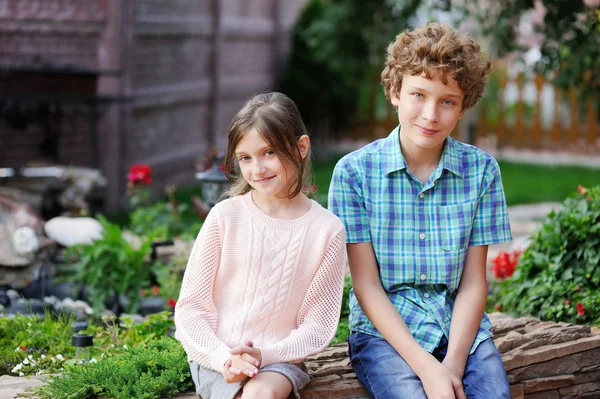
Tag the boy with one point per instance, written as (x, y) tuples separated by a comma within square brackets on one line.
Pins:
[(420, 209)]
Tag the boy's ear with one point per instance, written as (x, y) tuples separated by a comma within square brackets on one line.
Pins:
[(394, 99), (304, 145)]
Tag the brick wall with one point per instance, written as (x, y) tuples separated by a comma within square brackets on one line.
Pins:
[(181, 69)]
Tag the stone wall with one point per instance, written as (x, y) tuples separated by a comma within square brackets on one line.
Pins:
[(544, 360)]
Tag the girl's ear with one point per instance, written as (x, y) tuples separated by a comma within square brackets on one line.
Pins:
[(304, 145)]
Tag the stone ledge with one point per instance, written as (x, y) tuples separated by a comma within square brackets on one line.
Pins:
[(544, 360)]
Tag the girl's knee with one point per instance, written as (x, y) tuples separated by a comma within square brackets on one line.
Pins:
[(257, 391)]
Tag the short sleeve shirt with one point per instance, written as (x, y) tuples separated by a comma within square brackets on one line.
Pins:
[(420, 232)]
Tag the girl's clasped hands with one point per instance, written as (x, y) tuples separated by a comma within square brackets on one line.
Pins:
[(243, 363)]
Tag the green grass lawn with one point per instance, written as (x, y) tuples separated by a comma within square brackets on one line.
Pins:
[(526, 183)]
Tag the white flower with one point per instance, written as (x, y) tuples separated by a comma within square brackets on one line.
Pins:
[(21, 374), (102, 355), (30, 357), (112, 345), (93, 360), (125, 347), (60, 357), (16, 368), (26, 361), (53, 360), (28, 324), (43, 356), (18, 349)]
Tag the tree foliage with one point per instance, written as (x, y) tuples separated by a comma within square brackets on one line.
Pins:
[(569, 35), (336, 47)]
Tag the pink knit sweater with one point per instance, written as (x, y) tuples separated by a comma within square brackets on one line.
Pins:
[(278, 283)]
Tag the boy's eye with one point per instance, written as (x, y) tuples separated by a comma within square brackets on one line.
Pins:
[(448, 102), (418, 95)]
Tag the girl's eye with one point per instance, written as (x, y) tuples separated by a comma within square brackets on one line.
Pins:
[(269, 152), (244, 158)]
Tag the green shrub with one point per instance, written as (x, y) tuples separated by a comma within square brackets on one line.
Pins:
[(158, 369), (110, 266), (343, 331), (37, 345), (35, 341), (558, 276)]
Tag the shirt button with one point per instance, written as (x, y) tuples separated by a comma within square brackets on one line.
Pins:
[(422, 236), (421, 195), (426, 295), (423, 277)]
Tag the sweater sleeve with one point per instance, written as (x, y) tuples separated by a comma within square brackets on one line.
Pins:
[(195, 313), (320, 310)]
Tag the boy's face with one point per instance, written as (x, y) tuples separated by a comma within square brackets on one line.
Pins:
[(428, 111)]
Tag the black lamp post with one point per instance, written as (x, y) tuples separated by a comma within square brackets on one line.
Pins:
[(213, 183)]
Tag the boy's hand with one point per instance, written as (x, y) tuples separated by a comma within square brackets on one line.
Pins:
[(441, 383), (454, 366)]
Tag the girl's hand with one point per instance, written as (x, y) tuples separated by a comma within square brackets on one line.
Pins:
[(441, 383), (248, 352), (230, 377)]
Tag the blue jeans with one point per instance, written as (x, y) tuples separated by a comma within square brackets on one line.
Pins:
[(387, 376)]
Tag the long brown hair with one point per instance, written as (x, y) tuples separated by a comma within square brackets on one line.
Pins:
[(277, 119)]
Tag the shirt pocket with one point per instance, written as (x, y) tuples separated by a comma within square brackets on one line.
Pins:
[(455, 223)]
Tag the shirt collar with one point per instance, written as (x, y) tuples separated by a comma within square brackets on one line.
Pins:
[(394, 160), (451, 158)]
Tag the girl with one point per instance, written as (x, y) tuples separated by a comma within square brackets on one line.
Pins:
[(263, 286)]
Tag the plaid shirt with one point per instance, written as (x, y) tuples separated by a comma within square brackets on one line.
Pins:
[(420, 232)]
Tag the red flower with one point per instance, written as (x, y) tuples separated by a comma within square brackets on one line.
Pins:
[(155, 289), (498, 307), (24, 348), (567, 302), (580, 309), (140, 173), (582, 190), (171, 302), (505, 263)]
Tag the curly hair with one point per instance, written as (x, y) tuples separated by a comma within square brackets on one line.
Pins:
[(436, 50)]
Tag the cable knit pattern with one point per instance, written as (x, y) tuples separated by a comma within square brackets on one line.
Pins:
[(278, 283)]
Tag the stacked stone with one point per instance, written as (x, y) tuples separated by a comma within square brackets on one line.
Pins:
[(544, 360), (548, 360)]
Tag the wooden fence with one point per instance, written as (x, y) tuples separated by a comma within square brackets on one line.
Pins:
[(550, 119)]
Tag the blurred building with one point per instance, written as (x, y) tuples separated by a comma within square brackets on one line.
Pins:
[(110, 83)]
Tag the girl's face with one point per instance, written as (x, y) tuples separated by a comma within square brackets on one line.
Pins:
[(261, 167)]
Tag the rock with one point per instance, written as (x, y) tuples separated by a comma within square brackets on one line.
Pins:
[(546, 383), (28, 306), (71, 231), (152, 305)]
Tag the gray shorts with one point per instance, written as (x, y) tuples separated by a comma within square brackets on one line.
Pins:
[(211, 384)]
